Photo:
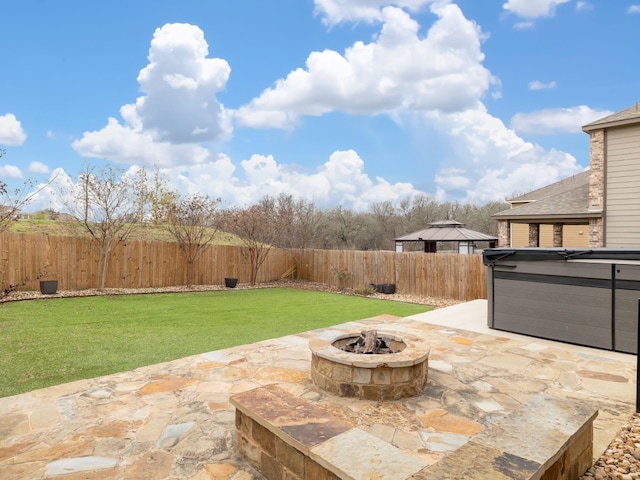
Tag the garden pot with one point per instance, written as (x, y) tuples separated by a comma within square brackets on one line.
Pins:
[(389, 288), (48, 287), (230, 282)]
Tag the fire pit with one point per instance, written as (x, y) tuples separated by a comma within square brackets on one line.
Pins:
[(399, 370)]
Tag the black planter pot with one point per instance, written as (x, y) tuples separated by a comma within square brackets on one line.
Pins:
[(389, 288), (230, 282), (48, 287)]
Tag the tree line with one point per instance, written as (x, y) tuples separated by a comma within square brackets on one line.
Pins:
[(109, 206)]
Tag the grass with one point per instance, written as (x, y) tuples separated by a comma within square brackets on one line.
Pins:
[(53, 341)]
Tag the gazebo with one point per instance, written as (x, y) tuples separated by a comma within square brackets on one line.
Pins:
[(446, 231)]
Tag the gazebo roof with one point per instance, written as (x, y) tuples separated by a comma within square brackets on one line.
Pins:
[(446, 231)]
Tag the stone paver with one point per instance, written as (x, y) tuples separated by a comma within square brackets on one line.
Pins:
[(174, 420)]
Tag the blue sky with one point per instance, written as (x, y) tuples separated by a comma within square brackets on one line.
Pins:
[(342, 102)]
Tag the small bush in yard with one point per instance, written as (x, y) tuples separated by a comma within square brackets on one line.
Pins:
[(364, 290)]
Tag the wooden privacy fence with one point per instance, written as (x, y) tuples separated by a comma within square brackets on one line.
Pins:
[(448, 275), (138, 264)]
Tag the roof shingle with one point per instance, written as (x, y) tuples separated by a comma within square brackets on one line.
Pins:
[(623, 117), (566, 198)]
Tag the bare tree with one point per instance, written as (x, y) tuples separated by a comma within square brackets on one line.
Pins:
[(13, 200), (258, 230), (388, 225), (297, 223), (421, 211), (104, 205), (343, 229), (297, 220), (192, 222)]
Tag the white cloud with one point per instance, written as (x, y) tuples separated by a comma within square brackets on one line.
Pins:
[(123, 144), (523, 26), (452, 179), (532, 169), (11, 132), (583, 6), (633, 9), (538, 85), (341, 180), (180, 83), (533, 8), (556, 120), (10, 172), (38, 167), (337, 11), (47, 194), (399, 71), (491, 162), (178, 111)]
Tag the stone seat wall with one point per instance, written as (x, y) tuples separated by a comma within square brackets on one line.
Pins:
[(288, 438)]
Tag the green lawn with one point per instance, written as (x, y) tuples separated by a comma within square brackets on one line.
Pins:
[(53, 341)]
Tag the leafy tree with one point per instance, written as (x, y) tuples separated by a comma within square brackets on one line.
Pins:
[(192, 222), (103, 202)]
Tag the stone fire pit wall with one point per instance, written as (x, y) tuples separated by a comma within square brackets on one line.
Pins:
[(377, 377)]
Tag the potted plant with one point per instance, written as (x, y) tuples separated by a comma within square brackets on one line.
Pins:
[(48, 287), (230, 282), (48, 283)]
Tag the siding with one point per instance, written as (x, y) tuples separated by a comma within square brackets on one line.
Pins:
[(622, 191)]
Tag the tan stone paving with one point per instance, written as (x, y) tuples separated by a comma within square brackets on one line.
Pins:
[(174, 420)]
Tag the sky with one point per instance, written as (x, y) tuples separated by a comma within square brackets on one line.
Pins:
[(339, 102)]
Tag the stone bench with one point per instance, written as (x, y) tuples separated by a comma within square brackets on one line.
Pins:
[(288, 438)]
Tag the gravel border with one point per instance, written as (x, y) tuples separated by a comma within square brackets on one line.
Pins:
[(19, 295), (621, 459)]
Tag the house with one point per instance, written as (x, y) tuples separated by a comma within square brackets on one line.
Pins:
[(596, 208)]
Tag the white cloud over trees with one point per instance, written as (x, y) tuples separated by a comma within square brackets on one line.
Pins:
[(497, 162), (11, 132)]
